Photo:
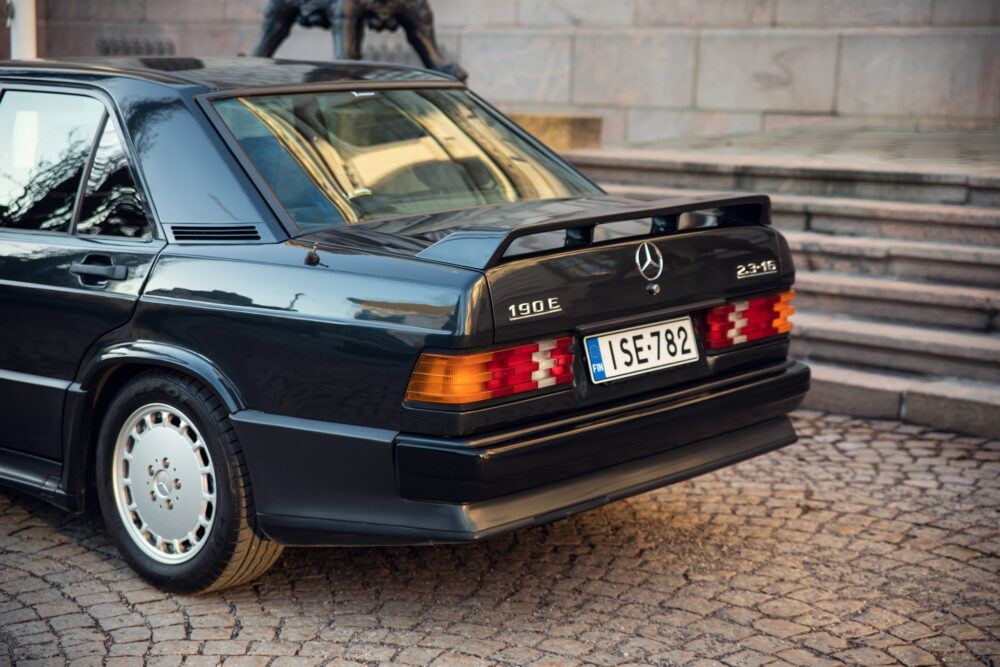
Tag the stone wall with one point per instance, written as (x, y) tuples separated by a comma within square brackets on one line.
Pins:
[(651, 69), (4, 43)]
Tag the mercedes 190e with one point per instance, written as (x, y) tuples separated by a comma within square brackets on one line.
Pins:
[(250, 303)]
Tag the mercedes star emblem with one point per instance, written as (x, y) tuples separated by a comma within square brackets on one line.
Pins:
[(649, 260)]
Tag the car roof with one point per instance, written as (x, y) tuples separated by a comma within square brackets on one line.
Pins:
[(227, 73)]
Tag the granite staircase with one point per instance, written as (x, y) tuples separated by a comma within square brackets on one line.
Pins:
[(898, 274)]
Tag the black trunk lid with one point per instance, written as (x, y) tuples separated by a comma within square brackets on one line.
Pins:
[(560, 266)]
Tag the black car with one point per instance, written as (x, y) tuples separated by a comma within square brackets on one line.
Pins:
[(253, 303)]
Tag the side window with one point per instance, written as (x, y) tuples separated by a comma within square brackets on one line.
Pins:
[(112, 205), (45, 140)]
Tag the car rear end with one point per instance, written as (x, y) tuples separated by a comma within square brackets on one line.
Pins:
[(608, 346), (632, 350)]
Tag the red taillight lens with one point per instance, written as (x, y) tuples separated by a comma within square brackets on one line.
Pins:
[(744, 321), (469, 378)]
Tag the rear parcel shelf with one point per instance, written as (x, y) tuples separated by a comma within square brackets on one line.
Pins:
[(482, 248)]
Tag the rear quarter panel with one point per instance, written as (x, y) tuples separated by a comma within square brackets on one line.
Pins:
[(334, 342)]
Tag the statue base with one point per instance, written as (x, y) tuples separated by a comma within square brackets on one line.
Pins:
[(562, 132)]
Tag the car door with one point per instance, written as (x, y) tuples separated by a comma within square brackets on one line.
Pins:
[(76, 243)]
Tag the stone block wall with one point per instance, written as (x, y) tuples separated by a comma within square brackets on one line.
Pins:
[(4, 43), (652, 69), (183, 27)]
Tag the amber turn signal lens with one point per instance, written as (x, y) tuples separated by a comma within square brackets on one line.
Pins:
[(469, 378), (784, 309)]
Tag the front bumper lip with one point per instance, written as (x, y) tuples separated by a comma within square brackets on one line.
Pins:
[(726, 426)]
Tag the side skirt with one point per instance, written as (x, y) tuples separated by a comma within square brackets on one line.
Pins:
[(35, 475)]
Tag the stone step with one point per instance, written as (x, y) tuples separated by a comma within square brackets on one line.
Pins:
[(931, 184), (898, 272), (947, 263), (948, 404), (895, 347), (963, 307), (863, 217)]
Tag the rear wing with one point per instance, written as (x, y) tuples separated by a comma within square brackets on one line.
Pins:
[(484, 247)]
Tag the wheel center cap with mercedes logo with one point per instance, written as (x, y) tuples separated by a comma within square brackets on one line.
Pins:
[(649, 260)]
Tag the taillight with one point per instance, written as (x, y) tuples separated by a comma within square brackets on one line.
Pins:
[(470, 378), (744, 321)]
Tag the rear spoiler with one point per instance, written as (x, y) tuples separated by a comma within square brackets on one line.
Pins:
[(484, 247)]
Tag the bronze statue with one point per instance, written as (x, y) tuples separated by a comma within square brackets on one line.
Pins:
[(347, 20)]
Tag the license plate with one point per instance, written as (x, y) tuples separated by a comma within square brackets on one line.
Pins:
[(641, 350)]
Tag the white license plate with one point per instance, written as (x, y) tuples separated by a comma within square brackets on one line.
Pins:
[(640, 350)]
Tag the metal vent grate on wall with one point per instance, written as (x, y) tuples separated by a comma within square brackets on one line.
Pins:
[(213, 233)]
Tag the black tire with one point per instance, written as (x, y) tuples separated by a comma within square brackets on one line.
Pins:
[(166, 444)]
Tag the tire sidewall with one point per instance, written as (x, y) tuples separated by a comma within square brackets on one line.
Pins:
[(210, 561)]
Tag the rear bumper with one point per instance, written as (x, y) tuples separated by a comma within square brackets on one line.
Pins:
[(472, 470), (327, 484)]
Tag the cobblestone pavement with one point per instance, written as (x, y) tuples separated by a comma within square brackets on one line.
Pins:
[(865, 543)]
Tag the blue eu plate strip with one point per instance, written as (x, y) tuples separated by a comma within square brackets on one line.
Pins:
[(596, 362)]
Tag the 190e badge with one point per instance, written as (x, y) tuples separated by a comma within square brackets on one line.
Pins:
[(526, 309)]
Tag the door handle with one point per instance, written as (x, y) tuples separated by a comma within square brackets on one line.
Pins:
[(102, 271)]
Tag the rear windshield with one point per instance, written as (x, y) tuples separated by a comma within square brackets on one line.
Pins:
[(345, 157)]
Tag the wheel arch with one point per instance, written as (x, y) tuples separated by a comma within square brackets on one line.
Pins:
[(101, 376)]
